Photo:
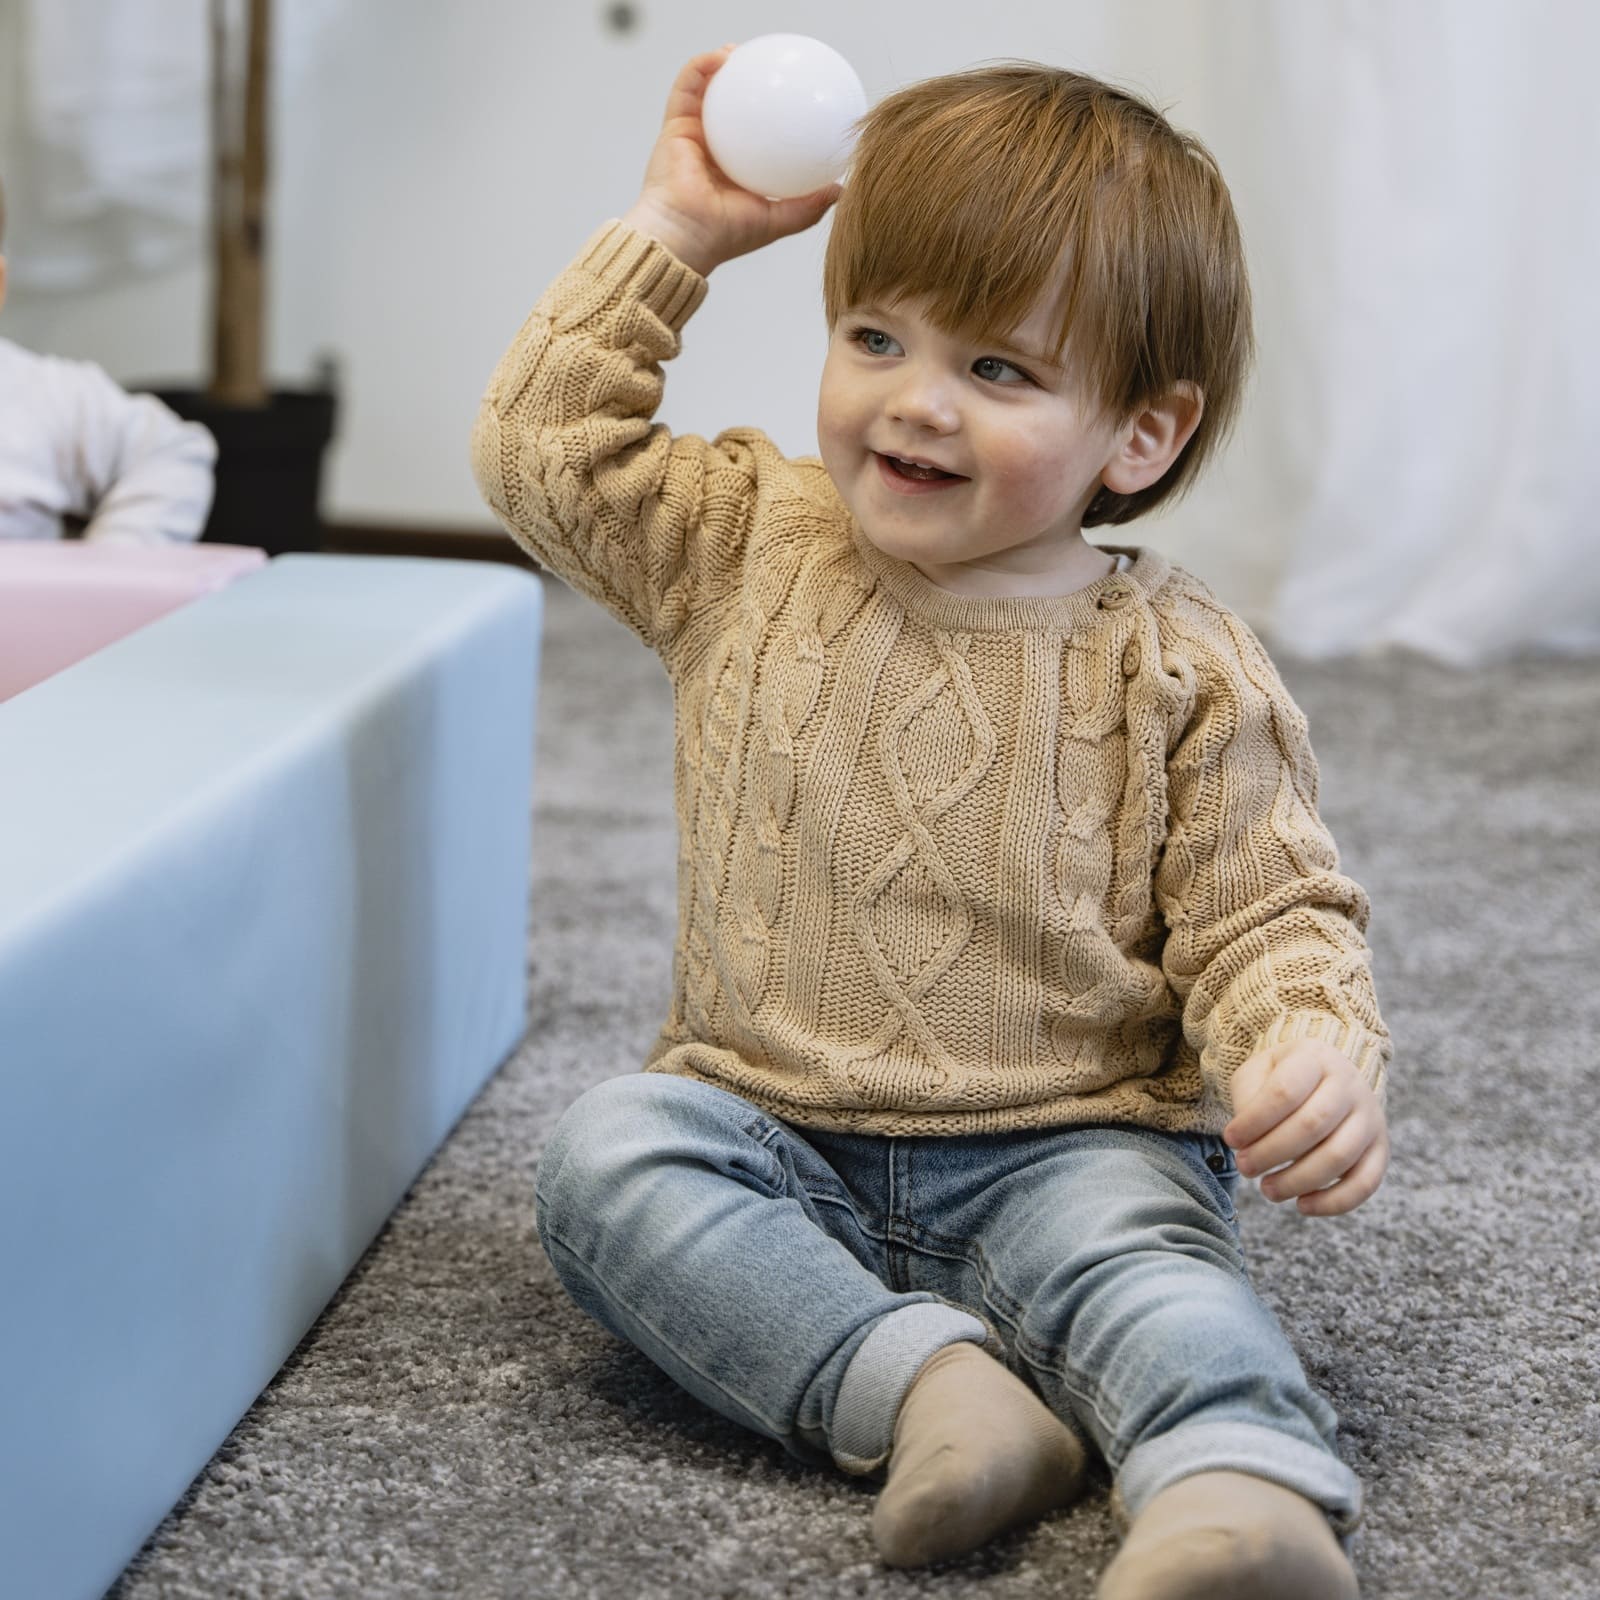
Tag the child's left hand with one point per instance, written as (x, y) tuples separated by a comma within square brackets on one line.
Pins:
[(1305, 1103)]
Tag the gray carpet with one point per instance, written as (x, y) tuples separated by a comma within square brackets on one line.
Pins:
[(454, 1427)]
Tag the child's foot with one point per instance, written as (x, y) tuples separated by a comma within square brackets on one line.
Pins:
[(1227, 1533), (975, 1451)]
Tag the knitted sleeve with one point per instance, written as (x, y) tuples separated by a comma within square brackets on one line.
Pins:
[(564, 451), (1265, 936)]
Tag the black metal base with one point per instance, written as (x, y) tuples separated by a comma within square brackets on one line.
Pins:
[(269, 466)]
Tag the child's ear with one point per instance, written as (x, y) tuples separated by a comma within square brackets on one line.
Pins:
[(1151, 441), (2, 280)]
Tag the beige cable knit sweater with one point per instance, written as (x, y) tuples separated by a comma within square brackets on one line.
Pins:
[(946, 865)]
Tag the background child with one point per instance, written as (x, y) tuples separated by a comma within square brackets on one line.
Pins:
[(1006, 915), (74, 447)]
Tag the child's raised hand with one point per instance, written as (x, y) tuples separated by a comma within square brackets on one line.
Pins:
[(1305, 1103), (702, 216)]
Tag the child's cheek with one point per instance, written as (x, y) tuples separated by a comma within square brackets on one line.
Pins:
[(1028, 484), (830, 442), (1039, 476), (837, 421)]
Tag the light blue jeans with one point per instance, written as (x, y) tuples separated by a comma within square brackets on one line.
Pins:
[(795, 1281)]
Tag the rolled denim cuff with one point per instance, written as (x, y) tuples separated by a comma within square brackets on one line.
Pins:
[(1280, 1458), (881, 1371)]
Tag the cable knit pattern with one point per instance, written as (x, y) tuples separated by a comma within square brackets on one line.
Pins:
[(911, 916), (790, 689), (734, 925), (946, 864)]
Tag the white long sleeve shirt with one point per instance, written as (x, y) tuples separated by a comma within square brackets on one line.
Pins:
[(73, 444)]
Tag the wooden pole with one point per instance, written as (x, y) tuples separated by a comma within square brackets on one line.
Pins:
[(239, 145)]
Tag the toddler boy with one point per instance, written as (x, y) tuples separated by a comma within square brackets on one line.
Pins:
[(1006, 917), (74, 447)]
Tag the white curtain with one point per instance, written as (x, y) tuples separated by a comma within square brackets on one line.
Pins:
[(105, 137), (1422, 180), (105, 130)]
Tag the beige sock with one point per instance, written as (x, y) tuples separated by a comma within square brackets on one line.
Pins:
[(975, 1451), (1227, 1533)]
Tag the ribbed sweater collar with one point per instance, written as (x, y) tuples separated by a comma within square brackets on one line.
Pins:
[(960, 613)]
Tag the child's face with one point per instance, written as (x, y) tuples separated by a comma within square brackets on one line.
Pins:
[(1026, 449)]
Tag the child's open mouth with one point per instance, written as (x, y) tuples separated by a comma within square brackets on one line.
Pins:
[(908, 477)]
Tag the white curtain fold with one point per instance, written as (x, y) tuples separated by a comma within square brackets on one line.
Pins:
[(1432, 351)]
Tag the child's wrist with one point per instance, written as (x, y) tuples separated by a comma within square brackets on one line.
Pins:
[(669, 231)]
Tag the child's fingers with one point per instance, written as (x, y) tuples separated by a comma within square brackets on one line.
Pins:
[(1303, 1129), (1358, 1185), (689, 87), (1267, 1088), (1324, 1163)]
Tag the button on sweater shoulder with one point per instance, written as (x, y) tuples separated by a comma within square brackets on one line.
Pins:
[(947, 864)]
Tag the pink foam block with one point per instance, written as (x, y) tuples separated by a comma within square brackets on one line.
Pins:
[(60, 602)]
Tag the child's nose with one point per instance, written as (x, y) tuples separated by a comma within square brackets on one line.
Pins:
[(923, 399)]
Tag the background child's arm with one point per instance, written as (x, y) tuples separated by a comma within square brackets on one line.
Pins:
[(650, 525), (135, 471), (1264, 941)]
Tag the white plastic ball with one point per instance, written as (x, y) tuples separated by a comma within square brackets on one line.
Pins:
[(778, 112)]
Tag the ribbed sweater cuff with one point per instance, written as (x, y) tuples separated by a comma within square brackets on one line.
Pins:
[(631, 262), (1369, 1051)]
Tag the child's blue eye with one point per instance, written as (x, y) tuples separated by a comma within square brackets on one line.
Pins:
[(995, 361), (872, 340)]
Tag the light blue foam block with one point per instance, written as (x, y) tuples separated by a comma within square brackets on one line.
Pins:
[(264, 872)]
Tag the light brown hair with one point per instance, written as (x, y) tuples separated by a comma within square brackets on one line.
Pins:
[(980, 189)]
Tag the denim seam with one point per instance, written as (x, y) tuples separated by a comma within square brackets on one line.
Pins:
[(845, 1204), (882, 1235), (1080, 1384), (891, 1200), (883, 1232), (776, 1429), (764, 1132), (1008, 1310), (1002, 1307)]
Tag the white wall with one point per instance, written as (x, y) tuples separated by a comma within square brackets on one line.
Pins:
[(437, 164)]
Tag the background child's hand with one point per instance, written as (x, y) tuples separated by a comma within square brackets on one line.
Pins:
[(702, 216), (1305, 1103)]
